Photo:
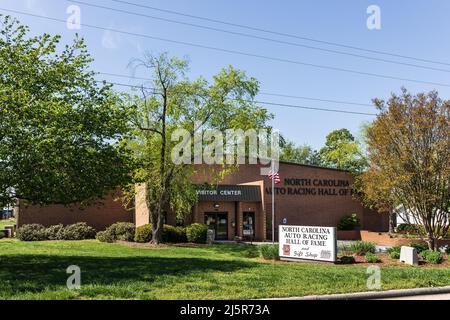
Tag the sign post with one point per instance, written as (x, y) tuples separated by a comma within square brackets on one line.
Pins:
[(308, 243)]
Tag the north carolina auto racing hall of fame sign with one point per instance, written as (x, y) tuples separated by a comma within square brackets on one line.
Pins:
[(308, 243)]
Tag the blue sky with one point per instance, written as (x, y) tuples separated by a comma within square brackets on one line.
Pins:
[(412, 28)]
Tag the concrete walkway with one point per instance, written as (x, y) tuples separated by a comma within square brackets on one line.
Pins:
[(440, 293)]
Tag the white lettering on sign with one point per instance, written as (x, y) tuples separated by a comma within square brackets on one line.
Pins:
[(309, 243), (222, 193)]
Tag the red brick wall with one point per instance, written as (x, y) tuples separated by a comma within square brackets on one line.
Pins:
[(304, 209), (99, 216)]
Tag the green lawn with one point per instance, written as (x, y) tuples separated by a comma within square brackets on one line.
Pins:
[(115, 271)]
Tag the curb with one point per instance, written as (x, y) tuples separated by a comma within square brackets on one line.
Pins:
[(376, 294)]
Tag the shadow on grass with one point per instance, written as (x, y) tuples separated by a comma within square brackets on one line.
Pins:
[(35, 273)]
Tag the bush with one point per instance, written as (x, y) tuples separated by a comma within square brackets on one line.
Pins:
[(31, 232), (410, 228), (394, 252), (196, 233), (361, 248), (173, 234), (78, 231), (105, 236), (348, 223), (143, 234), (269, 251), (420, 247), (123, 231), (372, 258), (54, 232), (347, 260), (434, 257), (2, 235)]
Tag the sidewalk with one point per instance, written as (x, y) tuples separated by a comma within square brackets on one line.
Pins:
[(440, 293)]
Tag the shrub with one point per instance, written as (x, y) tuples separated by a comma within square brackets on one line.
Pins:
[(143, 234), (410, 228), (394, 252), (31, 232), (347, 260), (196, 233), (434, 257), (124, 231), (361, 248), (105, 236), (78, 231), (372, 258), (173, 234), (420, 247), (348, 223), (269, 251), (2, 235), (54, 232)]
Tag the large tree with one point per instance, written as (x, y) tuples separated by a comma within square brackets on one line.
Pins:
[(409, 153), (302, 154), (172, 103), (59, 129), (342, 151)]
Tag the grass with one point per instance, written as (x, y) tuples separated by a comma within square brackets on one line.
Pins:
[(8, 222), (37, 270)]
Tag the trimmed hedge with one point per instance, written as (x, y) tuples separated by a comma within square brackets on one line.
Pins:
[(196, 233), (170, 234), (2, 235), (37, 232), (31, 232), (143, 234), (123, 231)]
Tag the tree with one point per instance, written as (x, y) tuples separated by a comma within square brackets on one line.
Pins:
[(59, 129), (342, 151), (409, 155), (175, 103), (303, 154)]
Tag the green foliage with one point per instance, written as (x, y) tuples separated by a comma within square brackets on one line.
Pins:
[(342, 151), (105, 236), (434, 257), (60, 130), (196, 233), (348, 222), (123, 231), (77, 231), (31, 232), (179, 104), (410, 228), (420, 247), (303, 154), (269, 251), (372, 258), (173, 234), (361, 248), (347, 260), (143, 234), (2, 235), (395, 252), (55, 232)]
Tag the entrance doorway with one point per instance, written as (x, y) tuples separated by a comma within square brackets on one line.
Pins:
[(219, 223), (249, 225)]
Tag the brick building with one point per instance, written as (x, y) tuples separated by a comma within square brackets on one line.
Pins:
[(240, 206)]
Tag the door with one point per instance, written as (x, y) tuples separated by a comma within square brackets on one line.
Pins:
[(219, 223), (249, 225)]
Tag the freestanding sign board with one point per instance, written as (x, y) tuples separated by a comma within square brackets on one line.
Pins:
[(308, 243)]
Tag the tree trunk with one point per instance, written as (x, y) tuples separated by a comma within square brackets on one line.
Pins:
[(157, 226), (432, 243), (392, 221)]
